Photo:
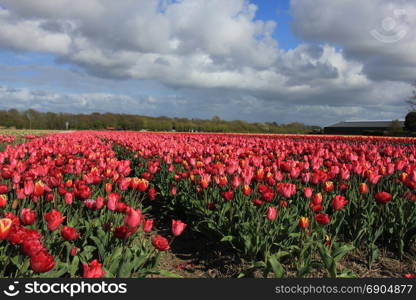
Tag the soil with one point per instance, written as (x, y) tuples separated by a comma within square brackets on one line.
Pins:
[(193, 256)]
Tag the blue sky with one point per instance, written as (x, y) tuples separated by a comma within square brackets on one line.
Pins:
[(279, 11), (310, 64)]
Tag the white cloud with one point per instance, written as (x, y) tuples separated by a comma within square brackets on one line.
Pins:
[(216, 49), (379, 33)]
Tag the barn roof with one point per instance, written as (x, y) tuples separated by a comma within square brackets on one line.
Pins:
[(364, 124)]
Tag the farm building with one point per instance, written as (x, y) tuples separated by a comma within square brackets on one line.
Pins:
[(360, 127)]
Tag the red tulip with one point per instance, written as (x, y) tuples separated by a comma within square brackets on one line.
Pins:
[(69, 233), (160, 243), (316, 203), (29, 187), (147, 225), (228, 195), (69, 197), (93, 270), (152, 193), (363, 188), (99, 203), (27, 216), (178, 227), (307, 191), (235, 182), (31, 247), (257, 202), (322, 219), (4, 189), (74, 251), (112, 201), (11, 216), (123, 232), (108, 187), (271, 213), (121, 207), (283, 203), (383, 197), (54, 219), (133, 217), (339, 202), (49, 197), (42, 262), (173, 190)]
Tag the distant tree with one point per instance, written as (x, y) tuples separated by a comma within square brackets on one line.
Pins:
[(39, 120), (412, 99), (216, 119), (410, 121), (395, 128)]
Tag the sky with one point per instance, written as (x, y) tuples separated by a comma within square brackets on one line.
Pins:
[(312, 61)]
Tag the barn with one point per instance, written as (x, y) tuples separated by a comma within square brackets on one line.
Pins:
[(360, 127)]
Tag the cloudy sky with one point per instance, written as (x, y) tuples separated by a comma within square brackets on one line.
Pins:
[(313, 61)]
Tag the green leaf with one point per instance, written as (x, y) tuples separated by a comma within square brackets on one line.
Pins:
[(74, 266), (340, 252), (276, 266), (347, 273), (168, 274), (227, 238), (100, 246)]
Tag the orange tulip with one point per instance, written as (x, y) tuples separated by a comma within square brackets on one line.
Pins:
[(5, 226)]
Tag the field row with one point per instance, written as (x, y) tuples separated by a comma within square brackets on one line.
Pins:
[(84, 203)]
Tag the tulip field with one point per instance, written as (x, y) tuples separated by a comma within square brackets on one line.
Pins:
[(83, 203)]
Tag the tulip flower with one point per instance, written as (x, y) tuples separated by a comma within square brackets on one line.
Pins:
[(143, 184), (383, 197), (39, 188), (31, 247), (3, 201), (303, 222), (322, 219), (363, 188), (123, 231), (69, 233), (5, 226), (328, 186), (152, 193), (160, 243), (42, 262), (69, 197), (4, 189), (339, 202), (108, 187), (54, 219), (228, 195), (307, 191), (133, 217), (27, 216), (271, 213), (178, 227), (93, 270), (147, 225)]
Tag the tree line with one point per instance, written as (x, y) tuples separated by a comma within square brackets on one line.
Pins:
[(32, 119)]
